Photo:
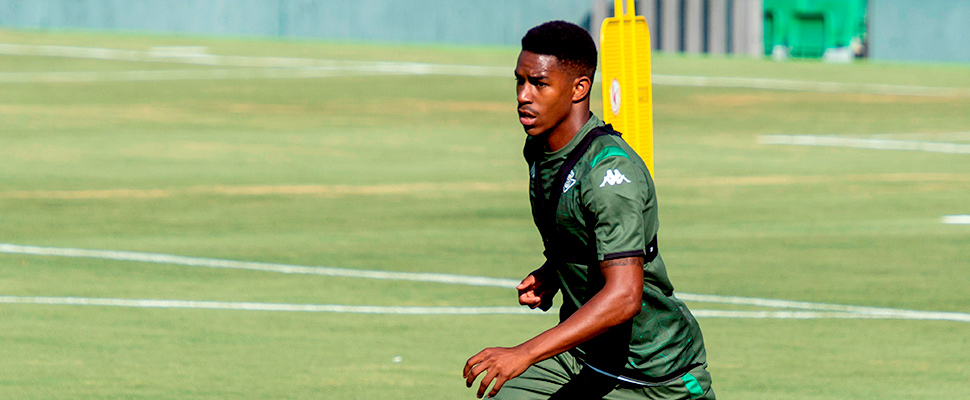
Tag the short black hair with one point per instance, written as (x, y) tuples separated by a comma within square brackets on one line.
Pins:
[(569, 43)]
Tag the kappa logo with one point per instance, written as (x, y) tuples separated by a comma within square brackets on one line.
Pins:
[(613, 177), (570, 181)]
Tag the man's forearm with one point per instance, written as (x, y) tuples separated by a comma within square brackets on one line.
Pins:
[(617, 302)]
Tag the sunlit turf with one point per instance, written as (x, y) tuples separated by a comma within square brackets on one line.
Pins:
[(424, 174)]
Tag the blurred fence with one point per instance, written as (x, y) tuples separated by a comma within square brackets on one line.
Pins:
[(934, 30), (480, 22), (714, 26), (698, 26), (920, 30)]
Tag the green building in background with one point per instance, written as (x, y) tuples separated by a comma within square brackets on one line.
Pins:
[(809, 28)]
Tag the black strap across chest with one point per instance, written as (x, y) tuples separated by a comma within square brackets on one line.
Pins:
[(545, 209)]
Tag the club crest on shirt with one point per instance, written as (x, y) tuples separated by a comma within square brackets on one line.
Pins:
[(570, 181), (613, 177)]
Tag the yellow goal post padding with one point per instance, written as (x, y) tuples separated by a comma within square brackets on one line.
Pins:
[(627, 90)]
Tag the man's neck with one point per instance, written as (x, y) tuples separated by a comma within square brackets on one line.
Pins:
[(567, 129)]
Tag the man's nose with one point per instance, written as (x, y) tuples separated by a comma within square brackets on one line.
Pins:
[(524, 95)]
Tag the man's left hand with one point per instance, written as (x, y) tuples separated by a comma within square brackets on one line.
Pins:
[(498, 363)]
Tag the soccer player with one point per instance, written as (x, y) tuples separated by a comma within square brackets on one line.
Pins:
[(622, 333)]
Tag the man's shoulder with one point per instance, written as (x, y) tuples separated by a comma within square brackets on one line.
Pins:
[(611, 159), (608, 149)]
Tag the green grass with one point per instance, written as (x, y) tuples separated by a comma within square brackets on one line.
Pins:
[(433, 181)]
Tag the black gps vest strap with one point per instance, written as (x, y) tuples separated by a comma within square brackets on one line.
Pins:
[(545, 215), (547, 208)]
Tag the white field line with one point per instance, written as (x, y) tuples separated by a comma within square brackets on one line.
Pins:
[(809, 86), (160, 55), (403, 310), (864, 143), (242, 73), (280, 67), (263, 190), (867, 312), (328, 68), (175, 75), (244, 306), (794, 315), (957, 136), (956, 219), (256, 266)]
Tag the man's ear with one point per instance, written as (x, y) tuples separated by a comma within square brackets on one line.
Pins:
[(582, 86)]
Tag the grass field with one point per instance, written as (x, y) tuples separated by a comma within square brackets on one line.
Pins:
[(412, 173)]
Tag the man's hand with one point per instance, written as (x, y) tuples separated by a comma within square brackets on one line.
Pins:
[(536, 291), (499, 364), (617, 302)]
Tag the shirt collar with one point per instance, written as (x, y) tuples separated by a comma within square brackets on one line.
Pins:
[(592, 123)]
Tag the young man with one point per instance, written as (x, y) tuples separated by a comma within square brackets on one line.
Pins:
[(622, 334)]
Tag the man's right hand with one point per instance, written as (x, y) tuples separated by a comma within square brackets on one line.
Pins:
[(536, 291)]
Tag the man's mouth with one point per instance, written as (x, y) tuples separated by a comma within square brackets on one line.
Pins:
[(527, 118)]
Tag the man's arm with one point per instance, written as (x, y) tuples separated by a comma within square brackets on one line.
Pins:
[(617, 302)]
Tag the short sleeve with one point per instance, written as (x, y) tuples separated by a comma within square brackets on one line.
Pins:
[(614, 195)]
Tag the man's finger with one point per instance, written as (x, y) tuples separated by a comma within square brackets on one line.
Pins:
[(475, 371), (485, 381), (526, 283), (529, 299), (471, 363), (499, 381)]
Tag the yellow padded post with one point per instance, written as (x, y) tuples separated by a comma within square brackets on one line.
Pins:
[(627, 89)]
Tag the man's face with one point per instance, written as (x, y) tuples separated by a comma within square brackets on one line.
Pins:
[(544, 91)]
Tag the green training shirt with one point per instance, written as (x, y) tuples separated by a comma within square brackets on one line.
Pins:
[(608, 210)]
